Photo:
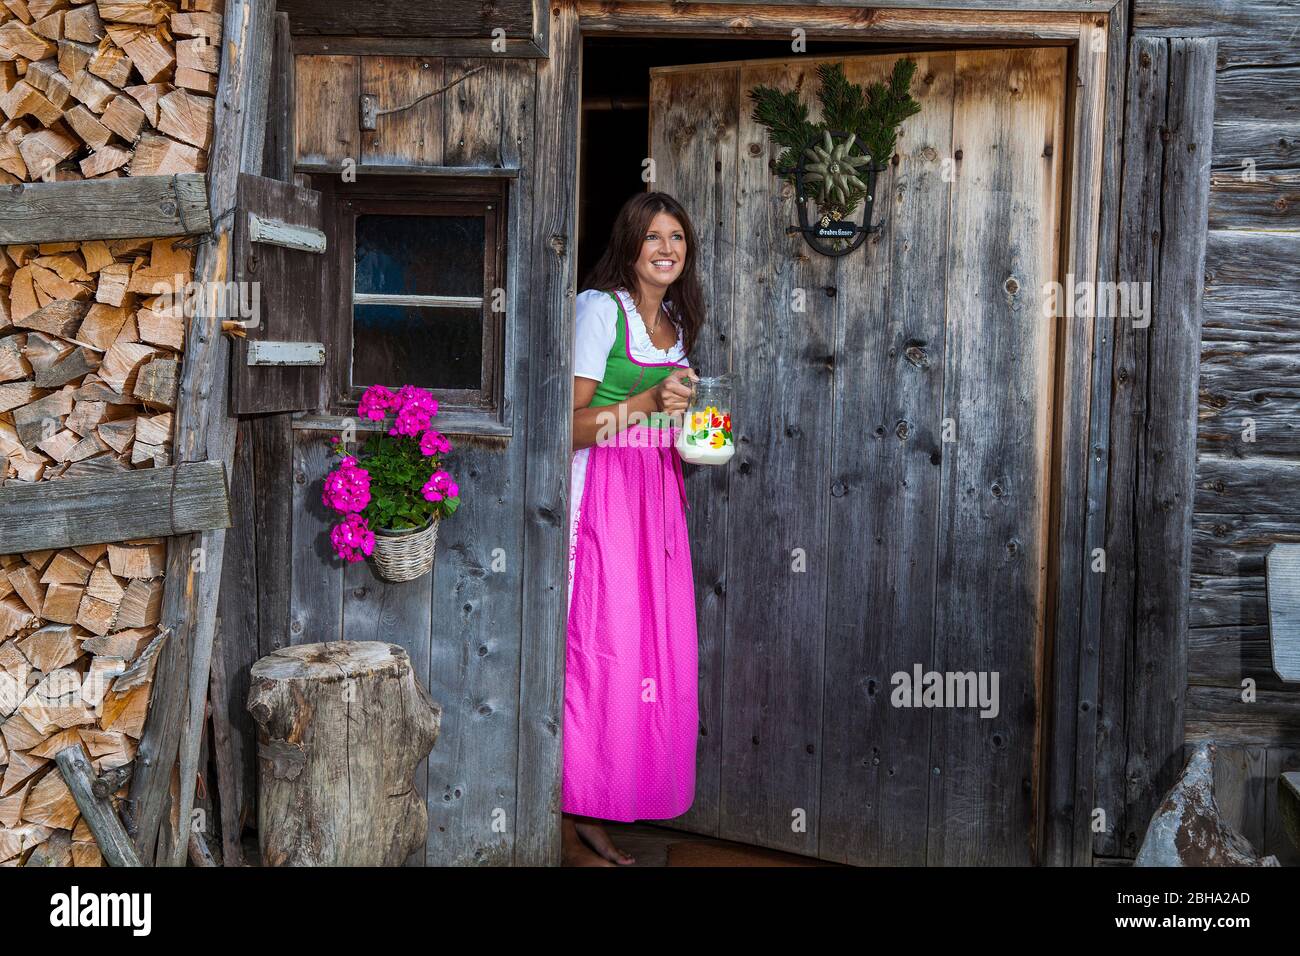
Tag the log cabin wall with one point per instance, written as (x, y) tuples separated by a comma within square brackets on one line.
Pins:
[(89, 367), (463, 626), (1247, 478)]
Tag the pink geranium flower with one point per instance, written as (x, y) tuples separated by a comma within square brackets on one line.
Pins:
[(376, 403), (440, 486), (352, 538), (347, 488), (434, 443), (415, 407)]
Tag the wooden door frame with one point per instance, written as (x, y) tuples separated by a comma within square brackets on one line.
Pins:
[(1092, 29)]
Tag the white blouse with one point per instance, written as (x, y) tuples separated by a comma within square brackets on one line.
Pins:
[(597, 327)]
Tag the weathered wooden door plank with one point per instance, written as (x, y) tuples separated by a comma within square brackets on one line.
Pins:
[(777, 555), (694, 142), (990, 611), (884, 492)]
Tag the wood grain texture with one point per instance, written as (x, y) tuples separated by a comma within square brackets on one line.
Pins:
[(392, 613), (476, 645), (1221, 715), (272, 455), (997, 388), (1245, 486), (341, 730), (201, 432), (776, 591), (1267, 202), (884, 493), (326, 102), (486, 114), (415, 134), (278, 147), (397, 18), (694, 140), (235, 649), (1138, 261), (145, 503), (292, 292), (550, 287), (1148, 549), (1075, 683), (1250, 399), (880, 339), (105, 209), (316, 587), (867, 23)]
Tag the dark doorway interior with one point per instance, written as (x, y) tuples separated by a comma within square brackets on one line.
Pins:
[(616, 115)]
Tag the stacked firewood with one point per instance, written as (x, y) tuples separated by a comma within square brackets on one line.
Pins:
[(106, 88), (91, 335), (78, 643)]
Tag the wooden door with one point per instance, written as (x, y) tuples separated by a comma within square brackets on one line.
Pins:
[(889, 502)]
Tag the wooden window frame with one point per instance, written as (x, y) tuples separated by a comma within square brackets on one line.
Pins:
[(462, 410)]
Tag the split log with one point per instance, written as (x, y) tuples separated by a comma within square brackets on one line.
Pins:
[(87, 89), (341, 728), (96, 812)]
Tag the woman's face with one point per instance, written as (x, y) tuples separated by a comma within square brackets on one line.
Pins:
[(663, 252)]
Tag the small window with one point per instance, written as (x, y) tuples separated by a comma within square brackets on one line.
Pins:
[(420, 261)]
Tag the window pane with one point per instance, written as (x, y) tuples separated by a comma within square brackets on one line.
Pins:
[(414, 345), (420, 255)]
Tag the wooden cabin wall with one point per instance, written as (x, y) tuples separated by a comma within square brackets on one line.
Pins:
[(1247, 492), (462, 625)]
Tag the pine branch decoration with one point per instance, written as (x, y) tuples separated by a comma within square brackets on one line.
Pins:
[(786, 120), (871, 117)]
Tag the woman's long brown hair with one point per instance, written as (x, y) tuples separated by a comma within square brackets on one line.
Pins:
[(615, 268)]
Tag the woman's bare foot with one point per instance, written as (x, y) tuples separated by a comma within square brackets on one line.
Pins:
[(593, 832), (573, 851)]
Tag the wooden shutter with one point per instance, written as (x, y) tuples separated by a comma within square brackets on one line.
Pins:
[(279, 245)]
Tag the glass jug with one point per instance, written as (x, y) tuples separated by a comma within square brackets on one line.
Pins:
[(705, 435)]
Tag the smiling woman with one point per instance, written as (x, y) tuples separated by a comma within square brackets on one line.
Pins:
[(630, 713)]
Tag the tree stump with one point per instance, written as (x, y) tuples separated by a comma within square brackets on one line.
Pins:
[(341, 727)]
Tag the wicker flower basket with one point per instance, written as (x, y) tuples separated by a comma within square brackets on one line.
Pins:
[(405, 555)]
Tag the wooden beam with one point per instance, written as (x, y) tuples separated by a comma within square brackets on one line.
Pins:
[(202, 432), (970, 23), (155, 206), (110, 836), (1152, 444), (515, 48), (400, 18), (549, 403), (145, 503)]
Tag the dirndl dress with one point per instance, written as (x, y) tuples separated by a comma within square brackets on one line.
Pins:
[(631, 717)]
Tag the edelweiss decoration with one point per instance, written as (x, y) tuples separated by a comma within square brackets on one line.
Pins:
[(836, 168), (834, 163)]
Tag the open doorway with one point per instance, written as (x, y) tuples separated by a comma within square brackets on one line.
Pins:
[(888, 511)]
